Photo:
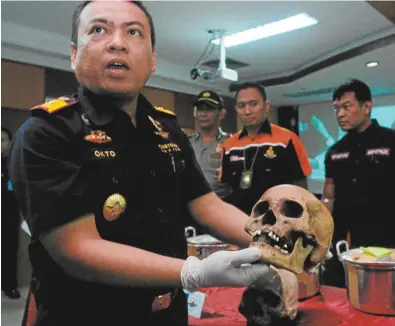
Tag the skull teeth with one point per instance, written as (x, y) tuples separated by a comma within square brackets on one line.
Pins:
[(274, 236), (280, 246)]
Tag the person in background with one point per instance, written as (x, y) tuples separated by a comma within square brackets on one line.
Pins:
[(10, 221), (207, 143), (359, 176), (262, 154), (103, 177)]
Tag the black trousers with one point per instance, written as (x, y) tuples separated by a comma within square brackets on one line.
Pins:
[(10, 223)]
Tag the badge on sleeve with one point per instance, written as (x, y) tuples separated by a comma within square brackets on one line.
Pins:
[(114, 206)]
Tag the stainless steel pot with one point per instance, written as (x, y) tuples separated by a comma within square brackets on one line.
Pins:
[(203, 245), (309, 284), (370, 285)]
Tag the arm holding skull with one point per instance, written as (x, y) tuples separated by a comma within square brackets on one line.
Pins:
[(224, 220)]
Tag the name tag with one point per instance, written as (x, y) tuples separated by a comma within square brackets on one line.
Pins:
[(340, 156), (104, 154), (378, 151), (235, 158), (215, 155)]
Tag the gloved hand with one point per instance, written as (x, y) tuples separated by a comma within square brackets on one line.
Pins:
[(223, 268)]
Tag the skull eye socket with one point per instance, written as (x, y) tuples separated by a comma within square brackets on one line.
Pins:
[(292, 209), (261, 208)]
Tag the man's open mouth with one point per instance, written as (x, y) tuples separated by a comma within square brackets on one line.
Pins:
[(115, 65)]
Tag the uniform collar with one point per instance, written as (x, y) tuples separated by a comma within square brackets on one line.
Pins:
[(367, 132), (220, 135), (100, 110), (264, 129)]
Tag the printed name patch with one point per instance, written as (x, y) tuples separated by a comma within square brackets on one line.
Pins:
[(235, 158), (103, 154), (340, 156), (378, 151)]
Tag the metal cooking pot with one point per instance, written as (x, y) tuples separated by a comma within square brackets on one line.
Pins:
[(370, 285), (309, 284), (203, 245)]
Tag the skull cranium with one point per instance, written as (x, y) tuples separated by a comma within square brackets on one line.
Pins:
[(291, 227)]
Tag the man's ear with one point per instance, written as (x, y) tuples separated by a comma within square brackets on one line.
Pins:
[(153, 68), (73, 54), (267, 106), (367, 106), (222, 113)]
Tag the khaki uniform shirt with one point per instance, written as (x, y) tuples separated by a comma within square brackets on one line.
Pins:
[(209, 158)]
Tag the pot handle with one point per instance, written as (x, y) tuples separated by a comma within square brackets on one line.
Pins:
[(190, 228), (338, 245)]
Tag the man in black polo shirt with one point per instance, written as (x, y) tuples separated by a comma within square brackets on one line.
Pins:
[(103, 178), (360, 172)]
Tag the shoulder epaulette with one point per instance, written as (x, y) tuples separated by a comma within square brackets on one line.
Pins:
[(55, 104), (160, 109)]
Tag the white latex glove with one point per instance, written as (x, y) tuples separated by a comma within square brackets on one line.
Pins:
[(223, 268)]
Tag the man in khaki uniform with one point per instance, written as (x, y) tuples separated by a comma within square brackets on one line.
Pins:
[(207, 142)]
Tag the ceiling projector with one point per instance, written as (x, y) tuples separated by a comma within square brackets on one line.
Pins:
[(220, 72), (211, 74)]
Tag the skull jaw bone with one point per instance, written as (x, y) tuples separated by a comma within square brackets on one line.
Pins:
[(292, 262)]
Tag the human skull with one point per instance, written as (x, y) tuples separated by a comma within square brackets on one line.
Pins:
[(291, 227)]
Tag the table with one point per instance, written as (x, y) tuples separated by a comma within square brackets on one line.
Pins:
[(330, 307)]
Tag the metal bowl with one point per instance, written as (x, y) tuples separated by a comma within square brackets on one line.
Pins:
[(309, 284), (370, 285), (203, 245)]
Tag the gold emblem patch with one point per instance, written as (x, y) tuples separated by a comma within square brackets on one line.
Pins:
[(206, 94), (218, 149), (270, 153), (98, 137), (114, 206)]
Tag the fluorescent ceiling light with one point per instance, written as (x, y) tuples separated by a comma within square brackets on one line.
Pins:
[(267, 30), (372, 64)]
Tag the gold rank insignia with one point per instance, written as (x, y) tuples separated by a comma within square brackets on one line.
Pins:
[(158, 127), (161, 109), (113, 207), (270, 153), (56, 104), (218, 149), (98, 137)]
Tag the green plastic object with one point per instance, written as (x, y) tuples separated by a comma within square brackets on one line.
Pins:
[(376, 251)]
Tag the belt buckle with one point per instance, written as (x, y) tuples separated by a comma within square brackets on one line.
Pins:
[(161, 302)]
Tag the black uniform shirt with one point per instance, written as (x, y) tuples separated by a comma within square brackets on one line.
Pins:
[(83, 155), (362, 168)]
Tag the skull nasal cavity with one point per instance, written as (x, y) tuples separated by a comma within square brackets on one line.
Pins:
[(269, 218), (292, 208)]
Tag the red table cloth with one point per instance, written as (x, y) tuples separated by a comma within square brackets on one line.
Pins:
[(330, 307)]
